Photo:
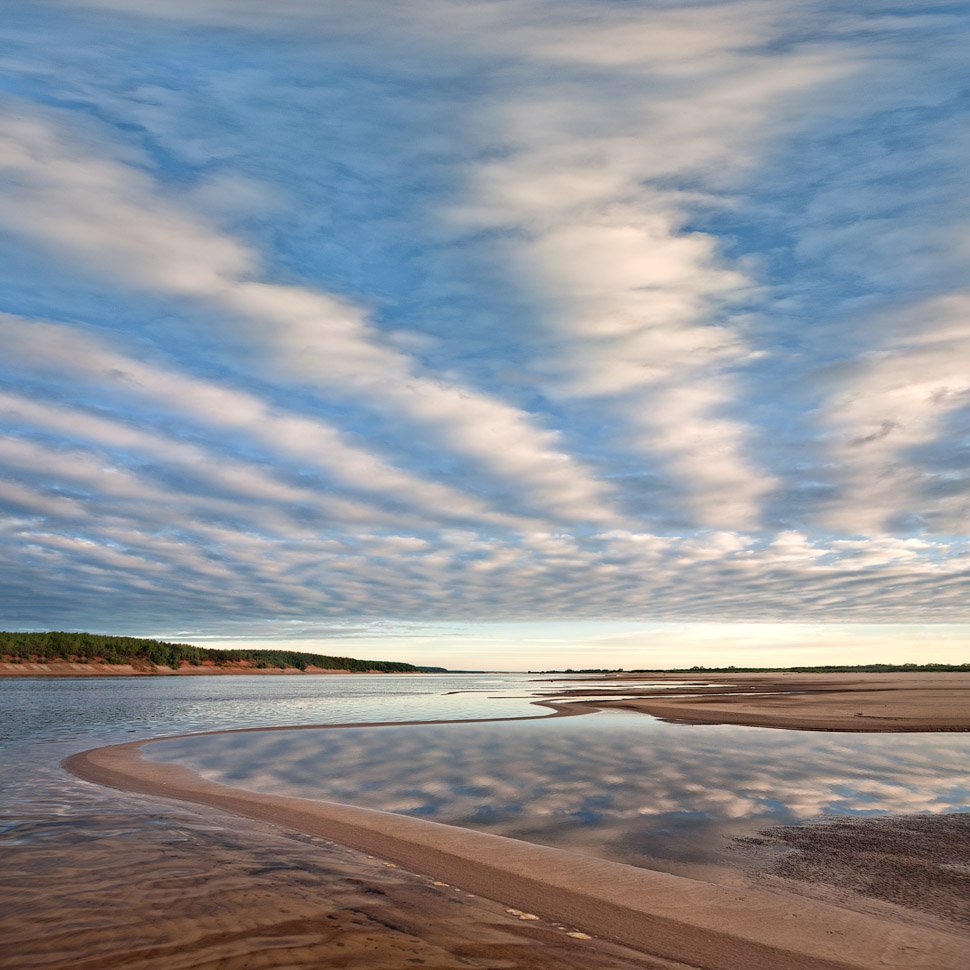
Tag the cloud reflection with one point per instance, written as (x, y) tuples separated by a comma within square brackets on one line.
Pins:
[(620, 786)]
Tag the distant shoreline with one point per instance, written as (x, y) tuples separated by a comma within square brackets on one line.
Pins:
[(69, 669), (66, 653)]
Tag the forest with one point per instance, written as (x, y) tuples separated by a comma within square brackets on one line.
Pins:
[(102, 648)]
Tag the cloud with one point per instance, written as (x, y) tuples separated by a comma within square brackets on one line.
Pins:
[(594, 208), (71, 354), (103, 211), (113, 218), (889, 404), (488, 311)]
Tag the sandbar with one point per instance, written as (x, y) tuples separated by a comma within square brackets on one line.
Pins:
[(671, 917), (805, 702)]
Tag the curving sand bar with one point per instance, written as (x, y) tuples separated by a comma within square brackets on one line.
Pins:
[(714, 927)]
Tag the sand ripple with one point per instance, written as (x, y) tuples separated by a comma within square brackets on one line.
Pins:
[(186, 892)]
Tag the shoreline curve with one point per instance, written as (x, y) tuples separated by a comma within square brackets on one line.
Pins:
[(714, 927)]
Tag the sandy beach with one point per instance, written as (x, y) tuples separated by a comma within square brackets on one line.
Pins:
[(664, 916), (805, 702)]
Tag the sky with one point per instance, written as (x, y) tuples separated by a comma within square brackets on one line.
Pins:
[(518, 333)]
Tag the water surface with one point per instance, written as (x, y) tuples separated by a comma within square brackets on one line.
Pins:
[(621, 785), (87, 870), (618, 784)]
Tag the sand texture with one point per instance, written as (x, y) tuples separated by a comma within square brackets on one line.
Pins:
[(808, 702), (921, 862), (666, 916), (190, 890)]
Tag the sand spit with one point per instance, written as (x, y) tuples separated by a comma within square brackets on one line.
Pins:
[(655, 913), (804, 702)]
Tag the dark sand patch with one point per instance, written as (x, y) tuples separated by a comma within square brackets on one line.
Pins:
[(921, 862)]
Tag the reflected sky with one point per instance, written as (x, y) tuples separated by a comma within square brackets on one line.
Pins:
[(44, 719), (617, 784)]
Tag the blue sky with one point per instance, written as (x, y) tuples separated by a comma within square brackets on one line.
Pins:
[(511, 332)]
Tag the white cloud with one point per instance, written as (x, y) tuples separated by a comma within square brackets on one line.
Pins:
[(115, 219), (103, 211), (889, 402), (240, 415), (595, 189), (585, 190)]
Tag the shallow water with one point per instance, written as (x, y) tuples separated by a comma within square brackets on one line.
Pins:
[(43, 720), (617, 784), (620, 785), (86, 871)]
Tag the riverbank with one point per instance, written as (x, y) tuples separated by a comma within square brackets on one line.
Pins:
[(69, 669)]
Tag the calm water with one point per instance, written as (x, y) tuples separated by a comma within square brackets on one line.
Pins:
[(43, 720), (616, 784)]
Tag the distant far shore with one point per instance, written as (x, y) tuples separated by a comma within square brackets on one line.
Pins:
[(62, 653), (69, 669)]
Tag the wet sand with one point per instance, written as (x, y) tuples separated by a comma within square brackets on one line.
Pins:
[(661, 915), (135, 889), (806, 702), (921, 862)]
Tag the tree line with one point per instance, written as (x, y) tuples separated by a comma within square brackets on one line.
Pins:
[(95, 647)]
